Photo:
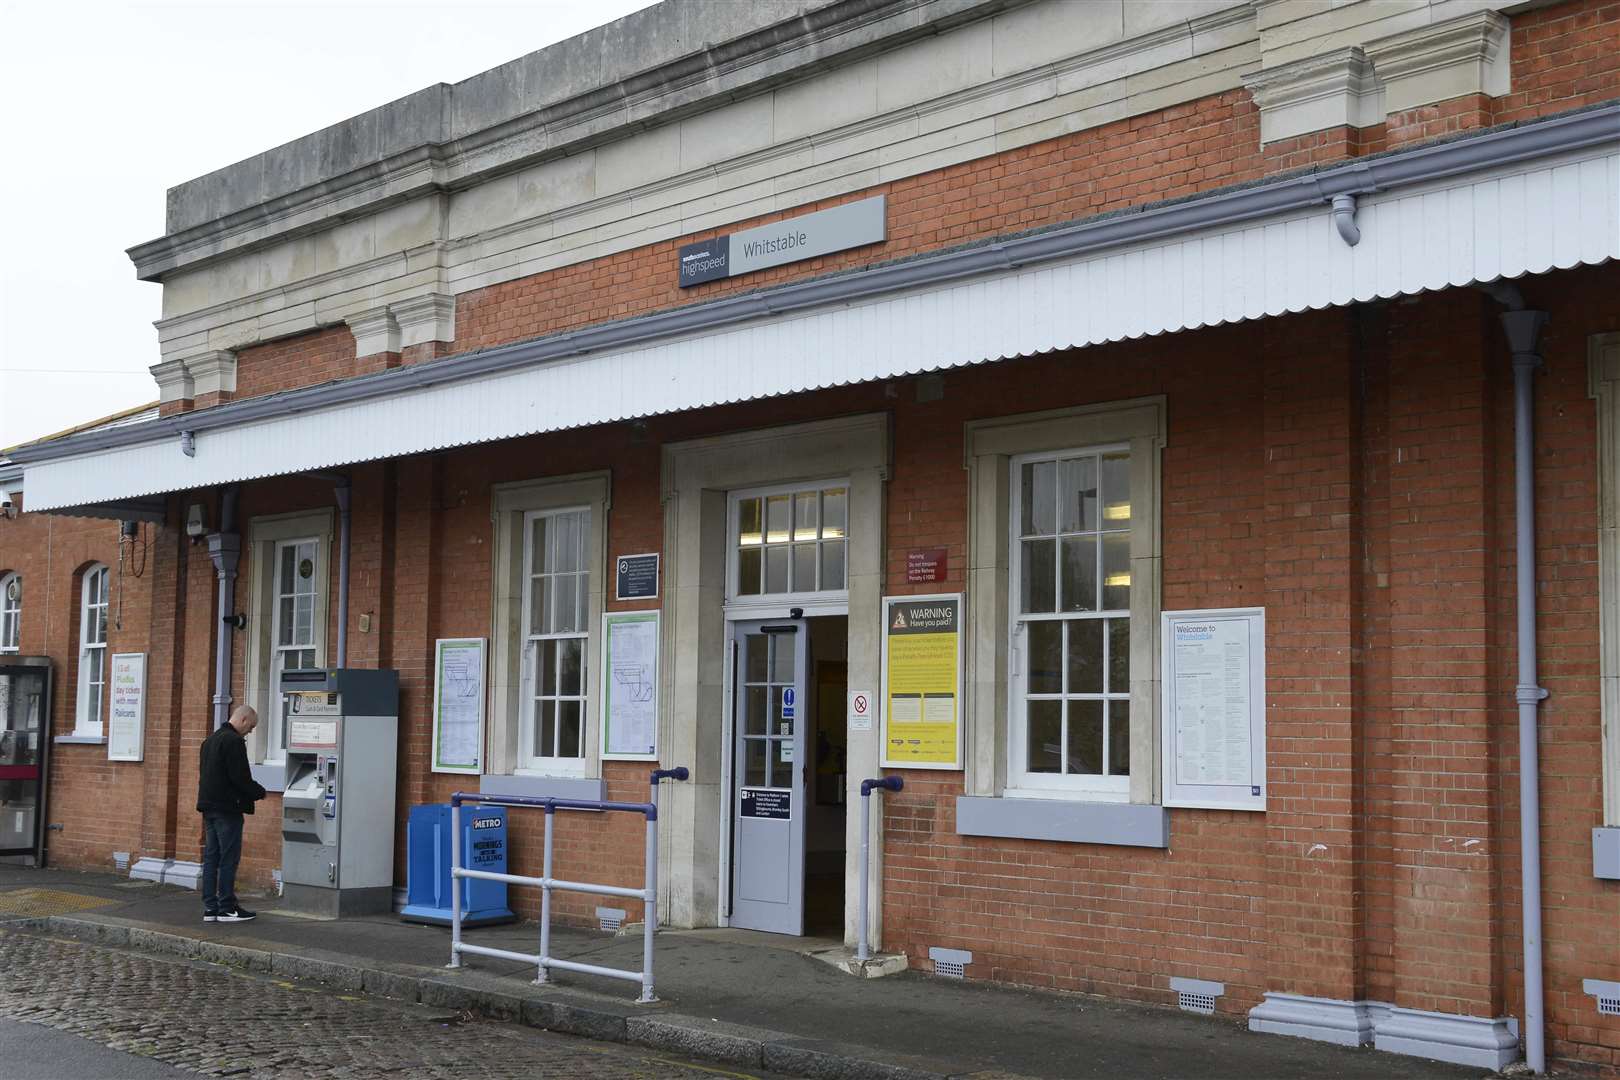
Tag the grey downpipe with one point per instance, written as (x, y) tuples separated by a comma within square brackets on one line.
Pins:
[(225, 549), (1523, 330), (343, 492)]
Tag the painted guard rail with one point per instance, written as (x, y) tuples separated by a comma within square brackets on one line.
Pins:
[(544, 961)]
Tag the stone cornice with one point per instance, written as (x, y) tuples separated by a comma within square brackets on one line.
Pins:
[(454, 151), (1465, 55)]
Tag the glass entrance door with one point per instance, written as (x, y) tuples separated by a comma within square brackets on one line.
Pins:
[(769, 769), (25, 684)]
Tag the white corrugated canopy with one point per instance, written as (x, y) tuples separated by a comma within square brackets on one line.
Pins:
[(1503, 223)]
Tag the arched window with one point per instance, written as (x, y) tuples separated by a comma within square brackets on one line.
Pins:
[(92, 652), (10, 612)]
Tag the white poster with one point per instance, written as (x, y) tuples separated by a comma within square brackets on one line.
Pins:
[(630, 685), (126, 708), (1214, 708), (458, 705)]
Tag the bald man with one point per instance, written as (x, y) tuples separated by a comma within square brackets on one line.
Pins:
[(225, 791)]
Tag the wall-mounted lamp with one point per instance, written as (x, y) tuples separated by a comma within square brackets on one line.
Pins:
[(196, 522), (235, 622)]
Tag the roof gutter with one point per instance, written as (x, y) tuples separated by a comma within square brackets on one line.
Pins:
[(1398, 168)]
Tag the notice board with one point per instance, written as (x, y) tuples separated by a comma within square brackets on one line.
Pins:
[(458, 705), (1213, 725), (922, 682), (630, 685)]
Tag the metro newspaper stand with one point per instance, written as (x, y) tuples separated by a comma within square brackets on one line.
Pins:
[(483, 839)]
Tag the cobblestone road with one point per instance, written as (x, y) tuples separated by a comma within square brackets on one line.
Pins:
[(225, 1022)]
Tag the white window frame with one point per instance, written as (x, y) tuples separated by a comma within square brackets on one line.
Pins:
[(990, 446), (511, 505), (10, 613), (266, 537), (278, 651), (1095, 788), (1603, 375), (94, 590), (775, 605), (530, 763)]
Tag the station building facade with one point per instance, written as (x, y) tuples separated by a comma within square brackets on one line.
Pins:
[(1071, 319)]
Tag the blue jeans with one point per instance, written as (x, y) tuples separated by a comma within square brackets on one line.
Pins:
[(222, 850)]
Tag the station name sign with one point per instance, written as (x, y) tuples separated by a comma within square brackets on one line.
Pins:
[(839, 228)]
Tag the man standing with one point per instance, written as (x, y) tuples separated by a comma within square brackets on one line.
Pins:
[(225, 791)]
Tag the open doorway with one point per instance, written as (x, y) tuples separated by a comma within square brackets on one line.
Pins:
[(829, 763)]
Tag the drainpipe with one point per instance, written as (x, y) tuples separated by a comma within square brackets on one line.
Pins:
[(343, 491), (225, 549), (1523, 329)]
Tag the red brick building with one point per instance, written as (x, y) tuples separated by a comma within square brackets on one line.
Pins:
[(1117, 324)]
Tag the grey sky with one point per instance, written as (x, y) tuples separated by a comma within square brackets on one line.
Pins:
[(108, 105)]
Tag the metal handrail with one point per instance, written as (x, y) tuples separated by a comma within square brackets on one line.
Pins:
[(883, 783), (543, 960)]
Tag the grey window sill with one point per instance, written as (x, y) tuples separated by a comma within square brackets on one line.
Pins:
[(79, 740), (1120, 824), (543, 787)]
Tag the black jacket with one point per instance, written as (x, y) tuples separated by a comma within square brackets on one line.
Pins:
[(226, 784)]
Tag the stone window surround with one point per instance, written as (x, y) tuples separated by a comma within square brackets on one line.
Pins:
[(263, 534), (1603, 373), (509, 503), (697, 477), (988, 449)]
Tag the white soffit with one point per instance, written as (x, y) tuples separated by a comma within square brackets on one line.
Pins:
[(1503, 223)]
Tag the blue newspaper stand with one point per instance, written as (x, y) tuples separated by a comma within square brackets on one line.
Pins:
[(427, 880)]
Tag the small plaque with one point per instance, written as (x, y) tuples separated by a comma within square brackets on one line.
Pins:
[(767, 803), (926, 564), (860, 710), (636, 577)]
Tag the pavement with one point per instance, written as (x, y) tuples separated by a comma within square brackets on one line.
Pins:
[(35, 1051), (737, 998)]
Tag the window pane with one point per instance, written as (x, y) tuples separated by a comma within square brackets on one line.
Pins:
[(289, 564), (782, 657), (105, 580), (1045, 736), (754, 751), (303, 658), (1119, 656), (571, 666), (545, 732), (101, 623), (832, 564), (754, 710), (749, 527), (559, 544), (568, 729), (547, 651), (303, 619), (1036, 587), (781, 724), (540, 605), (1116, 571), (1086, 656), (804, 568), (1079, 502), (1038, 498), (1080, 573), (776, 519), (564, 604), (1045, 657), (748, 568), (1086, 738), (1119, 738), (804, 515), (756, 657), (776, 569), (834, 512), (284, 624), (537, 544), (1116, 485)]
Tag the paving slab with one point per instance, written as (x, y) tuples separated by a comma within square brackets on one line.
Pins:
[(729, 996)]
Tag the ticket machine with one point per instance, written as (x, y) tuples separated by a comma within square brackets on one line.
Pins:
[(337, 810)]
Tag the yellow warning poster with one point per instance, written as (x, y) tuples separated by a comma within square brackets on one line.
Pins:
[(922, 672)]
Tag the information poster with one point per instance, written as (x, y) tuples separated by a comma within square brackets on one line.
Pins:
[(630, 685), (922, 682), (126, 711), (1213, 727), (458, 705)]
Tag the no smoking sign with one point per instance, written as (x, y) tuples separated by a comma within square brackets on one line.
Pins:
[(860, 710)]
